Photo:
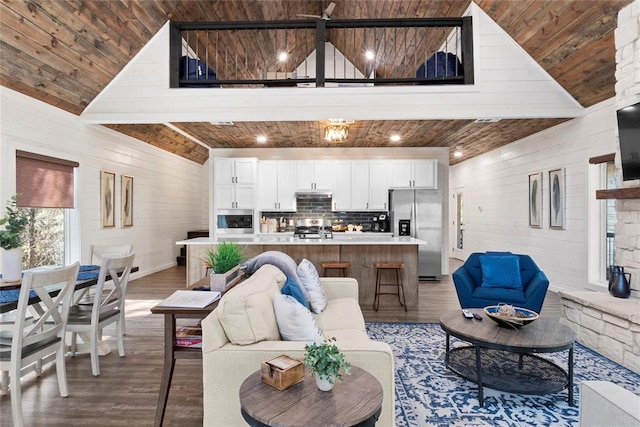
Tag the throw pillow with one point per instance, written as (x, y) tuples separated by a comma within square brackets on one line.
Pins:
[(291, 288), (295, 322), (310, 281), (500, 271)]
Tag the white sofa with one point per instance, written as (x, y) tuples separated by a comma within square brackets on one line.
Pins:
[(605, 404), (245, 316)]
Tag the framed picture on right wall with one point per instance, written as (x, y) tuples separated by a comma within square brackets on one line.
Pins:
[(556, 198)]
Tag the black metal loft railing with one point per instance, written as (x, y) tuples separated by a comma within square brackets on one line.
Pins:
[(322, 53)]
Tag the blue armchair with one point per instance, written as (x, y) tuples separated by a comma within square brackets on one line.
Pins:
[(474, 292)]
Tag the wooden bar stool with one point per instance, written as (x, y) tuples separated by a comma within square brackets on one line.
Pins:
[(336, 265), (398, 267)]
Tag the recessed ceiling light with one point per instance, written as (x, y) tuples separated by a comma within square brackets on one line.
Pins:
[(457, 153), (395, 138), (261, 139), (369, 55), (283, 56)]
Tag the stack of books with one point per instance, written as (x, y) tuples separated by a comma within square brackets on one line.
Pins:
[(189, 336)]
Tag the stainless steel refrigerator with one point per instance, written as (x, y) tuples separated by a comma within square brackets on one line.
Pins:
[(418, 213)]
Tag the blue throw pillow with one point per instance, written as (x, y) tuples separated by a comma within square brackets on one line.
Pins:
[(291, 288), (500, 271)]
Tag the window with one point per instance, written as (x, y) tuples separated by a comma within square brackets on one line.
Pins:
[(45, 186), (611, 218)]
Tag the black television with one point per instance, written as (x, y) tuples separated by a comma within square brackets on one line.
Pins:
[(629, 131)]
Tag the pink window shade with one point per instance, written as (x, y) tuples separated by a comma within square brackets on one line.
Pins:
[(44, 182)]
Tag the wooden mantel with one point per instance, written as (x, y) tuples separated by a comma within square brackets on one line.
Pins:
[(619, 193)]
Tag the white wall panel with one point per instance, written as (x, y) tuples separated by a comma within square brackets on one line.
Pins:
[(496, 195), (169, 197)]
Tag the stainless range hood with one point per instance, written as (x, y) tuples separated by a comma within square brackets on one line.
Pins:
[(316, 194)]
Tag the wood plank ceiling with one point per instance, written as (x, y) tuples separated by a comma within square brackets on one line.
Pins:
[(64, 52)]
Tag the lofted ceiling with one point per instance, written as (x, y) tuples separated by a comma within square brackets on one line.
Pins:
[(65, 52)]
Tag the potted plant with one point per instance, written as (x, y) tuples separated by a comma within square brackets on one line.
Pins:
[(326, 361), (223, 258), (14, 223)]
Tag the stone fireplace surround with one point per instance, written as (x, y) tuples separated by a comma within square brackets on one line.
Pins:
[(609, 325)]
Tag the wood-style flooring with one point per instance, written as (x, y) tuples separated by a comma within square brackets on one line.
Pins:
[(126, 392)]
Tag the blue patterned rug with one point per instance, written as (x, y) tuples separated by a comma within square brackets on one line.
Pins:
[(428, 394)]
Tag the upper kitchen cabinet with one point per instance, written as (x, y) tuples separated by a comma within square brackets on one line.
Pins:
[(341, 188), (414, 173), (360, 185), (379, 183), (276, 185), (234, 183), (313, 174)]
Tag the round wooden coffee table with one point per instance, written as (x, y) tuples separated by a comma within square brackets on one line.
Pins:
[(503, 358), (357, 401)]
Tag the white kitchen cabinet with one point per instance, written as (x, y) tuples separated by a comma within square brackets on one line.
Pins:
[(379, 185), (359, 185), (276, 185), (341, 188), (313, 174), (414, 173), (234, 183)]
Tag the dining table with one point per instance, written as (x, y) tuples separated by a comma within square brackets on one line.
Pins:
[(10, 291)]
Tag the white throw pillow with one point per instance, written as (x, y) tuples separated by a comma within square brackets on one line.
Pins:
[(295, 322), (311, 282)]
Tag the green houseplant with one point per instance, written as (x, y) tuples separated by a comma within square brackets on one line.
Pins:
[(14, 222), (223, 258), (326, 361)]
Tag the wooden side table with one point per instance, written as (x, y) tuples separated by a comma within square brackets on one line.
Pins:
[(355, 402)]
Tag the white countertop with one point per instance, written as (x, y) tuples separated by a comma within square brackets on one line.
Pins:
[(288, 239)]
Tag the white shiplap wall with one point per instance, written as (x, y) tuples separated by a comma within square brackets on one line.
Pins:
[(496, 195), (169, 196)]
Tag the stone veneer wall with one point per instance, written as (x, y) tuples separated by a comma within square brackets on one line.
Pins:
[(609, 325), (627, 39)]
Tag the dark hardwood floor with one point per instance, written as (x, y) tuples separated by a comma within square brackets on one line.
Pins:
[(126, 392)]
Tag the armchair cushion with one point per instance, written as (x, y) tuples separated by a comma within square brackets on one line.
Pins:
[(500, 272)]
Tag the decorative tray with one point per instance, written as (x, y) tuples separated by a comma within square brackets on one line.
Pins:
[(522, 316)]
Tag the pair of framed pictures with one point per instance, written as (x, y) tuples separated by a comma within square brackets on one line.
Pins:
[(108, 199), (556, 199)]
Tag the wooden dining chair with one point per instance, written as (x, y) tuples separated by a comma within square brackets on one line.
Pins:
[(107, 308), (34, 341)]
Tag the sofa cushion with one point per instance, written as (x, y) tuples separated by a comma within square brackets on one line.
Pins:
[(293, 289), (341, 313), (310, 281), (246, 311), (295, 322), (500, 271)]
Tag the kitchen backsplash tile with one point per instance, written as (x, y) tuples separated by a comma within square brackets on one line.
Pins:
[(312, 207)]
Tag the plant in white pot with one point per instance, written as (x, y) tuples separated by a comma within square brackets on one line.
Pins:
[(223, 258), (326, 361), (14, 223)]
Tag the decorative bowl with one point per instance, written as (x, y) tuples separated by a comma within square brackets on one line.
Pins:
[(523, 316)]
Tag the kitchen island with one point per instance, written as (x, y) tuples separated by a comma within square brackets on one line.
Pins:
[(360, 249)]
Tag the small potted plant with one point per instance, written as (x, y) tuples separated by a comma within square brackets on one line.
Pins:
[(326, 361), (223, 258), (14, 223)]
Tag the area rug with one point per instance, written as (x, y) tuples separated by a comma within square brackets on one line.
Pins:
[(428, 394)]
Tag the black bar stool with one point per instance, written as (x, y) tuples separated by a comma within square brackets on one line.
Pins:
[(398, 267), (336, 265)]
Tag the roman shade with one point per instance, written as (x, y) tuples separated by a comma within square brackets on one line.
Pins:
[(43, 181)]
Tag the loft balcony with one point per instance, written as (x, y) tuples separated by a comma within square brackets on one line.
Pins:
[(322, 53)]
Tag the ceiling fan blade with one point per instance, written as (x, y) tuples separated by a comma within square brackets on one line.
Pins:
[(303, 15), (329, 10)]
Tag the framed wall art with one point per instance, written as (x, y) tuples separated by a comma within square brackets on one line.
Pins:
[(535, 200), (126, 193), (556, 198), (107, 198)]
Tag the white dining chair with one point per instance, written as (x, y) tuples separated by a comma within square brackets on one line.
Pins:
[(97, 252), (34, 341), (107, 308)]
